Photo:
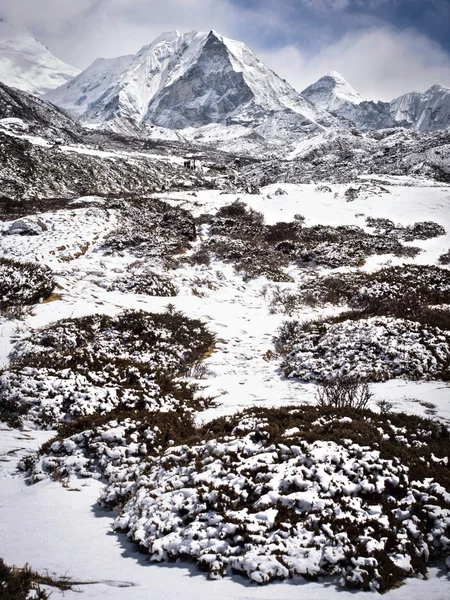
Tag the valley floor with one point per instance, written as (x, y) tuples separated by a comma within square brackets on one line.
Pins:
[(62, 530)]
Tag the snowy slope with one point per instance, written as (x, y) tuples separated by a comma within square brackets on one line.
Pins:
[(123, 86), (427, 111), (27, 64), (331, 92), (185, 80)]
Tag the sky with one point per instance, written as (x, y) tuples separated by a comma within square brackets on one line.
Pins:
[(384, 48)]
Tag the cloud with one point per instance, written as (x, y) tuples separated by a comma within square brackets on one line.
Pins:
[(46, 15), (327, 4), (298, 39), (79, 32), (82, 30), (381, 63)]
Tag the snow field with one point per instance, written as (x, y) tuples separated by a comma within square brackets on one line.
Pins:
[(240, 373)]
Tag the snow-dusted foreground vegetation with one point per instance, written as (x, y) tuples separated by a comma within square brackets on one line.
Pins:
[(273, 493), (166, 357)]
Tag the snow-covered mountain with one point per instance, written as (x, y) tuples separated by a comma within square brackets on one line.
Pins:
[(427, 111), (331, 92), (186, 80), (27, 64)]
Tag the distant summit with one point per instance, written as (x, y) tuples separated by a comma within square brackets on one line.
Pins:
[(424, 111), (28, 65), (331, 92), (420, 111)]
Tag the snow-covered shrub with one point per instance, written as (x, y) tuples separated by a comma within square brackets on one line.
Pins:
[(251, 258), (97, 364), (444, 258), (107, 445), (419, 284), (151, 229), (284, 301), (274, 493), (145, 282), (423, 230), (374, 348), (345, 245), (282, 231), (237, 220), (200, 257), (238, 234), (23, 283), (429, 284), (262, 264)]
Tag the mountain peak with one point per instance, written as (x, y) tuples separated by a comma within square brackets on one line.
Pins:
[(336, 76), (331, 92), (27, 64), (185, 80), (438, 88), (215, 34)]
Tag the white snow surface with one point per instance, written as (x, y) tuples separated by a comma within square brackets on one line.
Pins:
[(26, 64), (65, 532)]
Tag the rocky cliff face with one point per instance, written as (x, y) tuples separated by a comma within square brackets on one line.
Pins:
[(18, 108), (210, 91)]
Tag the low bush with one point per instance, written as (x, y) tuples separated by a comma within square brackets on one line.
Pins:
[(369, 348), (423, 230), (151, 229), (96, 364), (344, 392), (105, 444), (238, 234), (379, 292), (24, 584), (282, 231), (275, 493), (272, 493), (23, 283), (200, 257), (444, 258), (250, 259), (238, 220), (144, 282)]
